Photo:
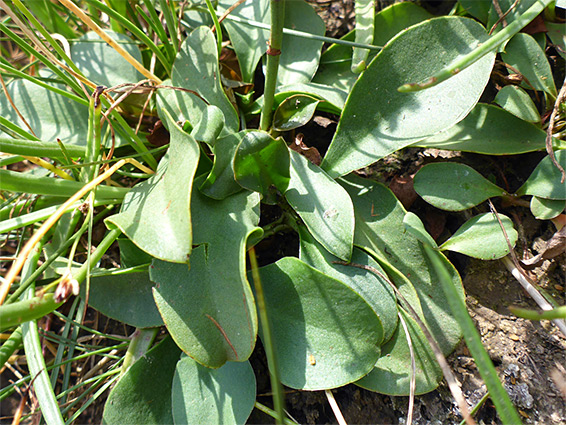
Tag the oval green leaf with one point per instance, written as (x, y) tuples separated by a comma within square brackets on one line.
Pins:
[(325, 334), (156, 213), (380, 232), (103, 65), (525, 55), (492, 131), (453, 187), (415, 227), (208, 305), (379, 120), (544, 181), (126, 298), (547, 209), (392, 372), (482, 237), (516, 101), (143, 394), (294, 112), (372, 288), (212, 396), (300, 56), (196, 68), (261, 162), (324, 206)]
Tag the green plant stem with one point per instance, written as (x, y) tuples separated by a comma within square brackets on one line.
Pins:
[(477, 407), (10, 346), (276, 387), (505, 409), (273, 54), (170, 21), (272, 413), (479, 52), (300, 34), (556, 313), (139, 344)]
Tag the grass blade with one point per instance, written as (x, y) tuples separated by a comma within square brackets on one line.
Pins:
[(505, 408)]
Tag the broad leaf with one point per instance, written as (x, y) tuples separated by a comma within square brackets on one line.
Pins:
[(525, 55), (453, 186), (300, 56), (126, 298), (220, 183), (477, 8), (415, 227), (196, 68), (103, 65), (325, 335), (335, 63), (143, 395), (294, 112), (372, 288), (515, 100), (482, 237), (365, 22), (489, 130), (250, 43), (544, 181), (261, 162), (156, 213), (546, 209), (324, 206), (50, 115), (215, 396), (392, 372), (379, 120), (208, 306), (380, 231)]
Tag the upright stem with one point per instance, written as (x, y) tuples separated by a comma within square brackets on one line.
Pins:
[(273, 54)]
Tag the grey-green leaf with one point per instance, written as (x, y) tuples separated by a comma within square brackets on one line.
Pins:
[(143, 394), (545, 180), (380, 232), (392, 372), (515, 100), (208, 305), (294, 112), (300, 56), (324, 206), (453, 186), (547, 209), (212, 396), (415, 227), (492, 131), (156, 213), (325, 334), (196, 68), (126, 298), (482, 237), (372, 288), (261, 162), (103, 65), (250, 43), (525, 55), (379, 120)]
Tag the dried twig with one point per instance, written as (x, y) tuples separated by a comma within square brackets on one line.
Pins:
[(413, 383), (559, 99), (335, 408)]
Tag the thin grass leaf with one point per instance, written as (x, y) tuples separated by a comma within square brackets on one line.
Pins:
[(505, 409), (126, 23)]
